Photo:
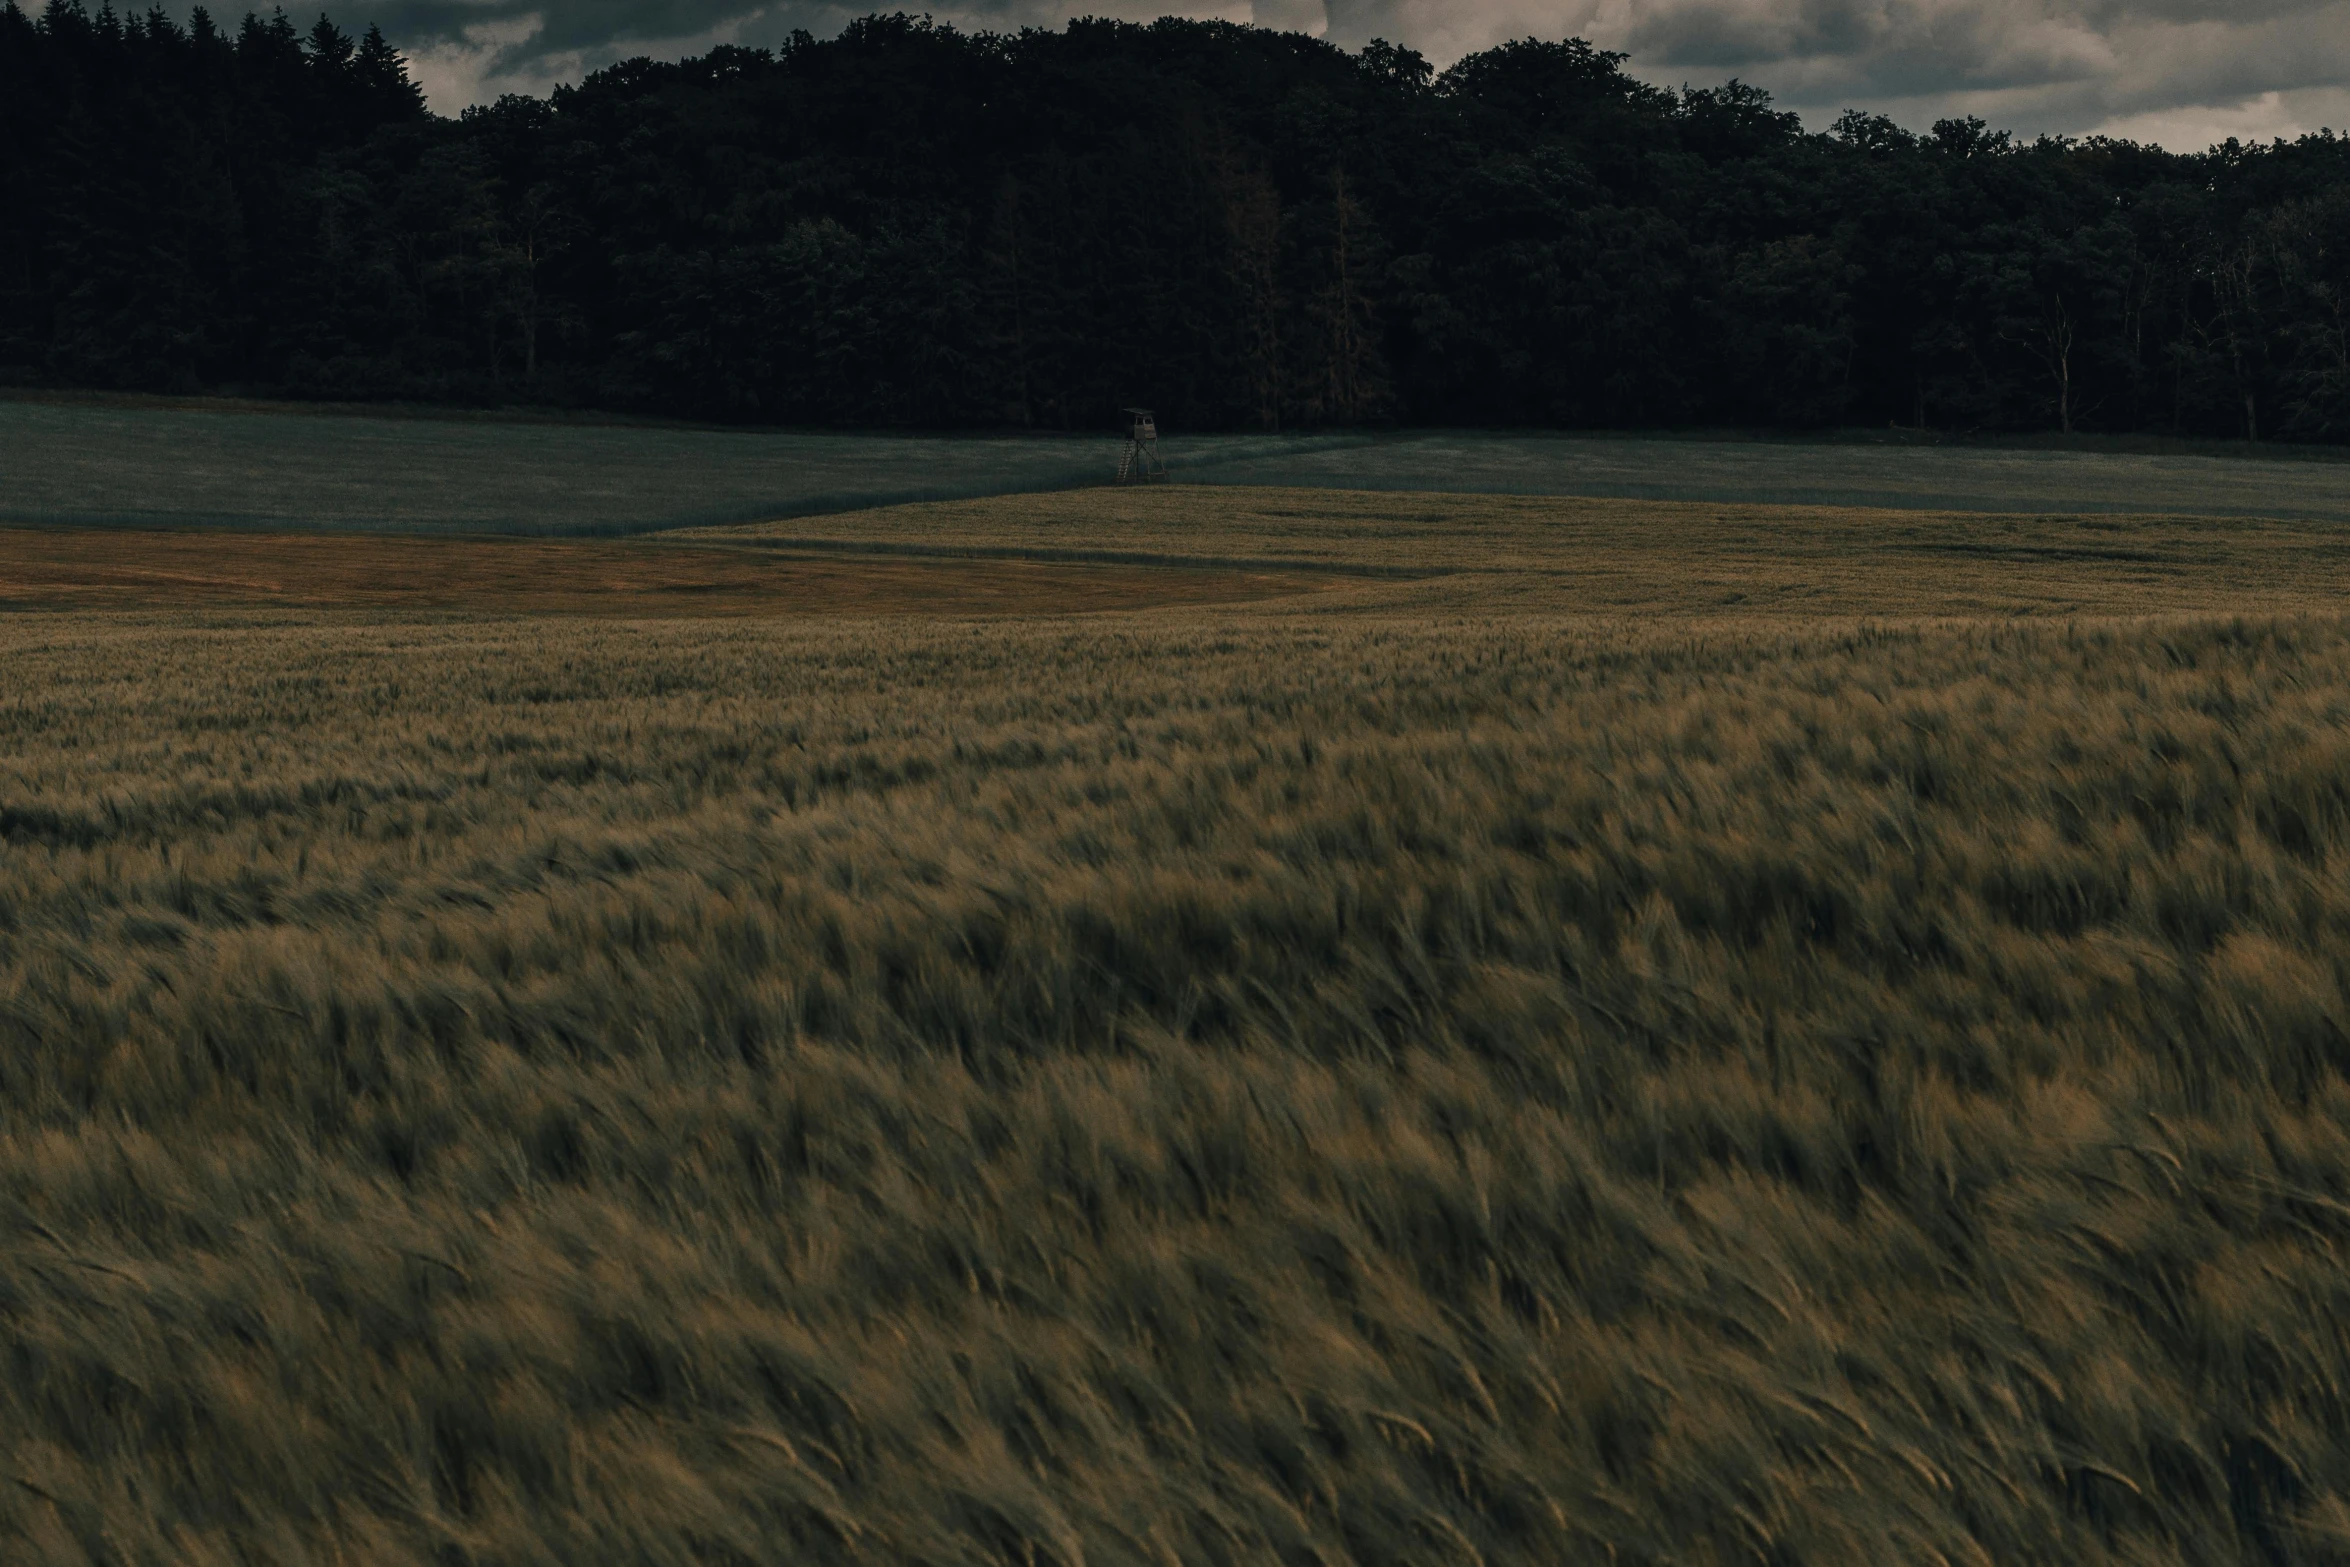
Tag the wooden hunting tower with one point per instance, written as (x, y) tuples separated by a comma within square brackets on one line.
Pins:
[(1141, 459)]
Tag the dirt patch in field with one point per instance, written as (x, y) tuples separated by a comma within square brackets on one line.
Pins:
[(62, 568)]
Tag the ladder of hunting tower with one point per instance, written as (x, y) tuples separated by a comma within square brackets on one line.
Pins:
[(1140, 461)]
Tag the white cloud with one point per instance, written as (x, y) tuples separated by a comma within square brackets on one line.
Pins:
[(2256, 119), (2169, 71), (454, 73)]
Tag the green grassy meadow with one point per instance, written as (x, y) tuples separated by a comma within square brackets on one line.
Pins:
[(146, 463), (152, 462), (2087, 476), (1619, 1033)]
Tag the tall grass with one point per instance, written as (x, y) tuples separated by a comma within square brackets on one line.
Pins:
[(1195, 1088)]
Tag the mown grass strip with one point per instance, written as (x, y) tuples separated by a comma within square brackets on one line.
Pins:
[(812, 545)]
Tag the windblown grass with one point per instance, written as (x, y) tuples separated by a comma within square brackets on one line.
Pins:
[(1220, 1086)]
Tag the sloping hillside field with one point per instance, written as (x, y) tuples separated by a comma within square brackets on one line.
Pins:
[(126, 569), (1523, 1032), (151, 463), (2283, 482)]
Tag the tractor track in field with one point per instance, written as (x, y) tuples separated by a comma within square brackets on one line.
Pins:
[(1048, 555)]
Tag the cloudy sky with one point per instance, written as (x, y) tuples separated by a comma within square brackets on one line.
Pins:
[(2182, 73)]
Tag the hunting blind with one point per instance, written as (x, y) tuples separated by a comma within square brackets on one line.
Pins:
[(1141, 459)]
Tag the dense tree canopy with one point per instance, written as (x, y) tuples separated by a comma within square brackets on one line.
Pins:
[(913, 225)]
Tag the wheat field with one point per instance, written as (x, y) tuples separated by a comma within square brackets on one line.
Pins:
[(86, 571), (1655, 563), (1509, 1056)]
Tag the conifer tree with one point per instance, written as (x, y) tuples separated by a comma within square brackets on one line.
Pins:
[(330, 49), (380, 72)]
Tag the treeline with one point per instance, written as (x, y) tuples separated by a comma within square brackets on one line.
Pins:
[(912, 225)]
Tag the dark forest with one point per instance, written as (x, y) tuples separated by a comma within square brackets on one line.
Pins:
[(910, 225)]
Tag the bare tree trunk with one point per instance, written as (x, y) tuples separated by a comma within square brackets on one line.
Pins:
[(1252, 215), (2238, 273), (530, 310), (2051, 342), (2061, 345), (1020, 322), (1345, 347)]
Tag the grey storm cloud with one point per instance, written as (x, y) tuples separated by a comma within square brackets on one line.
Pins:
[(2178, 71)]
